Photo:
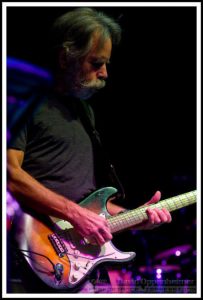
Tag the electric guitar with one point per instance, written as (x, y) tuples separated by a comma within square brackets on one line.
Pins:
[(62, 258)]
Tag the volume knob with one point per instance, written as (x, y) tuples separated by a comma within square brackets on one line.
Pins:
[(76, 253), (76, 266)]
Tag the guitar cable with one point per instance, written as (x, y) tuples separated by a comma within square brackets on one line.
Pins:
[(57, 268), (32, 252)]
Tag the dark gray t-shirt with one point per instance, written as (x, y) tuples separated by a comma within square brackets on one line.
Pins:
[(58, 150)]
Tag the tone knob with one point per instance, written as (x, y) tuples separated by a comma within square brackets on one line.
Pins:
[(74, 277)]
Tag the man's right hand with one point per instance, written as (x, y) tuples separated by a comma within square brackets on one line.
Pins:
[(23, 186), (91, 226)]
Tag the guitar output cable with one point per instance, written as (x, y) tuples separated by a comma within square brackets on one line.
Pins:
[(57, 268)]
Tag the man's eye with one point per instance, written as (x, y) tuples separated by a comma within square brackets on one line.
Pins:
[(97, 65)]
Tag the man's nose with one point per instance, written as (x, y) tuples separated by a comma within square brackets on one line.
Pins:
[(103, 74)]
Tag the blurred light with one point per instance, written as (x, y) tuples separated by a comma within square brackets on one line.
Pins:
[(138, 277), (185, 261), (163, 262), (8, 135), (27, 67), (12, 100), (159, 271), (177, 253), (158, 276), (12, 206), (186, 281), (178, 275)]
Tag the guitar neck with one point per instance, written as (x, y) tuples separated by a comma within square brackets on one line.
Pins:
[(136, 216)]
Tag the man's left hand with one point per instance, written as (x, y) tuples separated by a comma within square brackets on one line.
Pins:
[(156, 216)]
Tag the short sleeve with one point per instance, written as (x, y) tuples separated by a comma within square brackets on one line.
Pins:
[(18, 140)]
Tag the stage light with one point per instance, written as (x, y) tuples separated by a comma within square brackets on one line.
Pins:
[(158, 271), (28, 68), (177, 253), (178, 275)]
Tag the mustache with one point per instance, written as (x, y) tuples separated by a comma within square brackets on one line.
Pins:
[(93, 84)]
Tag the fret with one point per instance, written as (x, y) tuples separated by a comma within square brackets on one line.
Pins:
[(138, 215)]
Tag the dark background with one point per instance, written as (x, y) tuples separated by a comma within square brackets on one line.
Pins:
[(146, 115)]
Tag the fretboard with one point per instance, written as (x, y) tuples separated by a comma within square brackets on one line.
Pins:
[(136, 216)]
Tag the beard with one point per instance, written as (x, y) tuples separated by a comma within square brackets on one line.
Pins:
[(86, 88), (78, 86)]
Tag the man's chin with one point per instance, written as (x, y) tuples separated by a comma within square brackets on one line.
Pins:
[(85, 94)]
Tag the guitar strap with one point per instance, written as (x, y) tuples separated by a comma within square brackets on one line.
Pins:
[(86, 116)]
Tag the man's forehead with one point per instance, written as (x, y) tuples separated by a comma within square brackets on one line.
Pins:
[(100, 48), (99, 57)]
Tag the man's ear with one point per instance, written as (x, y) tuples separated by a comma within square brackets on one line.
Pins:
[(62, 56)]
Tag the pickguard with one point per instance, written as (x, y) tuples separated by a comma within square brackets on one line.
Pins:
[(84, 256)]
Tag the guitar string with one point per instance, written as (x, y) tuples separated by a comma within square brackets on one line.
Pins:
[(121, 225), (125, 218), (129, 217), (121, 221), (169, 202)]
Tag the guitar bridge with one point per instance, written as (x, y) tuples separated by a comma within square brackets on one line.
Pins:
[(57, 244)]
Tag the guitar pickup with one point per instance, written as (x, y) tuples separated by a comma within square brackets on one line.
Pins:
[(57, 244)]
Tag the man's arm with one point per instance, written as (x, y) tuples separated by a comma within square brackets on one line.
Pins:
[(29, 192)]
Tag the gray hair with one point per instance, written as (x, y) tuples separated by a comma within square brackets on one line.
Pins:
[(73, 31)]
